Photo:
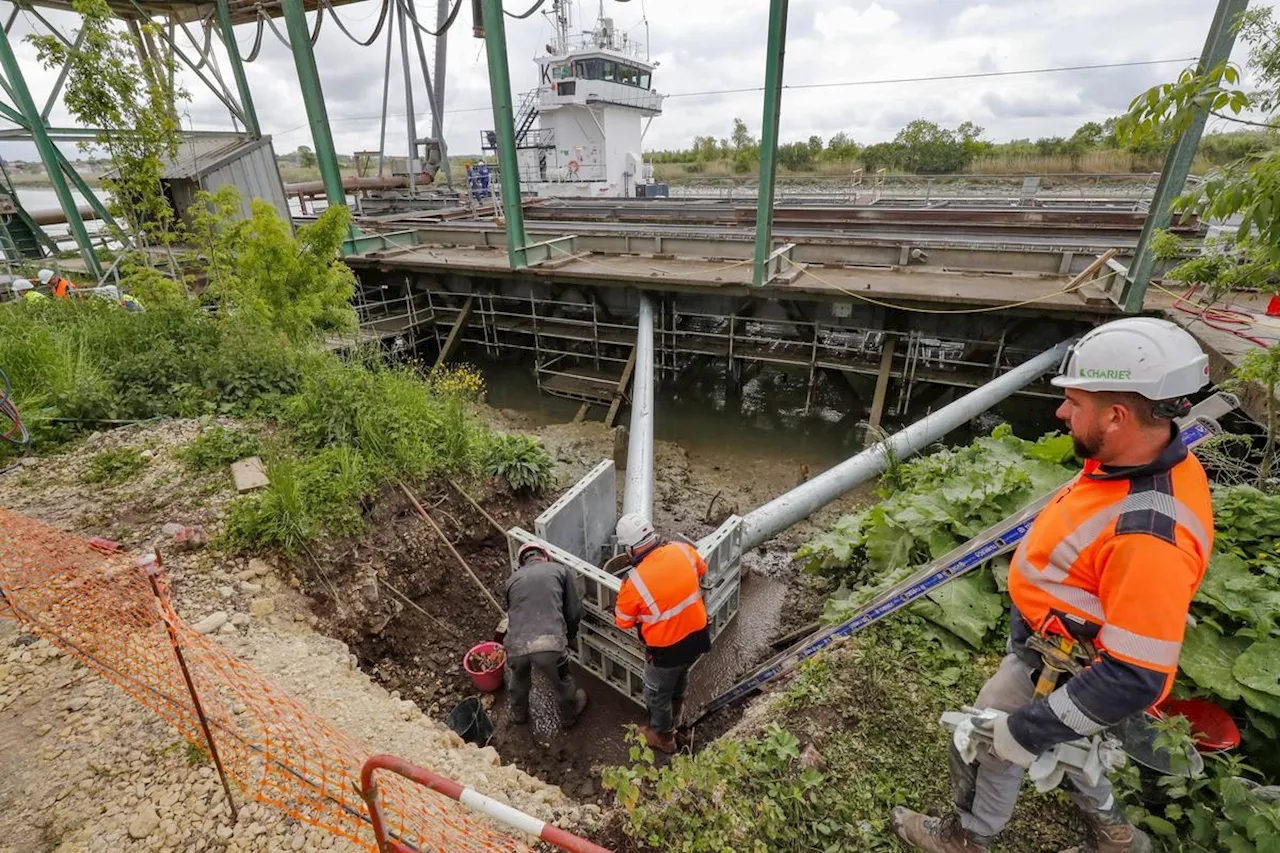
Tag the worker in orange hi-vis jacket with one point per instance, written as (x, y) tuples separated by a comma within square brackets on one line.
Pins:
[(1109, 567), (663, 595)]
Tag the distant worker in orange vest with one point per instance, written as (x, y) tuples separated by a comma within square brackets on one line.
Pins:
[(1109, 568), (663, 594), (60, 287)]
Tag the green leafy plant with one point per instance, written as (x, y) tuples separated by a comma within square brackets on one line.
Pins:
[(113, 467), (938, 502), (521, 460), (218, 447)]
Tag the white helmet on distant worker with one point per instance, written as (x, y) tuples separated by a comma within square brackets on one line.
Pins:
[(44, 275), (20, 285), (1154, 358), (635, 532)]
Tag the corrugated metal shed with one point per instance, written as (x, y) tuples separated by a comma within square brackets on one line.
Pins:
[(207, 163)]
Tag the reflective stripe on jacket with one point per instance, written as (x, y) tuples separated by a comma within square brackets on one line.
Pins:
[(663, 595), (1122, 552)]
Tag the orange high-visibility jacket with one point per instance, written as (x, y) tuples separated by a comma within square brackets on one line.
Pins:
[(1118, 556), (663, 595), (61, 287)]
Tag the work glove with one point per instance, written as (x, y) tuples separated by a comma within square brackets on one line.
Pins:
[(1003, 743)]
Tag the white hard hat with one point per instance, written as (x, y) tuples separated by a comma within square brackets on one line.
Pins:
[(529, 549), (634, 530), (44, 275), (20, 285), (1155, 358)]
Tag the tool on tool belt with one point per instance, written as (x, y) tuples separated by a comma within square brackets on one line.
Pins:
[(1060, 650)]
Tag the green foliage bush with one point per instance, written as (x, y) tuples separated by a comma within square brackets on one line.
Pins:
[(218, 447), (113, 467), (521, 460), (930, 505)]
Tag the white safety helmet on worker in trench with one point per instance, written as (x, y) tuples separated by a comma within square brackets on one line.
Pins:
[(21, 285), (527, 551), (44, 275), (1155, 358), (635, 532)]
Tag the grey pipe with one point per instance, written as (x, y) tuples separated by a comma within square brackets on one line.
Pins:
[(637, 494), (765, 522)]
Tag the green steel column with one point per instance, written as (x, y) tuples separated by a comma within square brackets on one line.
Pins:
[(1177, 164), (48, 153), (769, 136), (237, 68), (495, 42), (313, 98)]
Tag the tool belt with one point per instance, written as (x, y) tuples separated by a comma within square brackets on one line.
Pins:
[(1065, 646)]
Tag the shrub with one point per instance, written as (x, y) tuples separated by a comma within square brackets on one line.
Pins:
[(113, 467), (218, 447), (521, 460)]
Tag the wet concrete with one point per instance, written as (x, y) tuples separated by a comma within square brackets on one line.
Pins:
[(745, 642)]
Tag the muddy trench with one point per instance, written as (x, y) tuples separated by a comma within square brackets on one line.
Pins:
[(708, 464)]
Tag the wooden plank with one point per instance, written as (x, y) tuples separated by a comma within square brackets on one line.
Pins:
[(582, 413), (455, 333), (1088, 274), (621, 390), (882, 381)]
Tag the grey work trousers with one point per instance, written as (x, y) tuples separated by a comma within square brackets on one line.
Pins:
[(986, 791), (555, 666), (662, 686)]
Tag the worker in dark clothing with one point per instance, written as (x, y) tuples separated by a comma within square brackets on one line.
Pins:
[(543, 614)]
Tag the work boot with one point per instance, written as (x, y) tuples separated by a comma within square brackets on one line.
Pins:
[(1109, 831), (579, 705), (936, 834), (661, 741)]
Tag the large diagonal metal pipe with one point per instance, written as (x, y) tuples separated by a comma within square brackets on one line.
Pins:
[(765, 522), (637, 493)]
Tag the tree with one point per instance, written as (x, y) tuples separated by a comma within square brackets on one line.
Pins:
[(842, 147), (815, 145), (930, 149), (796, 156), (882, 155), (113, 84), (741, 137), (306, 158), (1088, 135)]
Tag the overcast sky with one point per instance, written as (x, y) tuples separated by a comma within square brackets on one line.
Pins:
[(712, 45)]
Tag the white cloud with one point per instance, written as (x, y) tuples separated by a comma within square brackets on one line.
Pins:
[(714, 45)]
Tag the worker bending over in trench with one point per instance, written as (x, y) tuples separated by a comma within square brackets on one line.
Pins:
[(663, 594), (543, 615), (1109, 568)]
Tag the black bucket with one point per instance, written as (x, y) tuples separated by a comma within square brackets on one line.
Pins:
[(469, 720)]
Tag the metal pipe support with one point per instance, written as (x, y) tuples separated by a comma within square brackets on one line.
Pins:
[(765, 522), (637, 495)]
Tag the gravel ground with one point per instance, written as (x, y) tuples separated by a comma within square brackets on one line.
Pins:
[(84, 767)]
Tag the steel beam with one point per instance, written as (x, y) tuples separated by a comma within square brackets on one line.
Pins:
[(442, 52), (769, 137), (637, 495), (1177, 164), (495, 42), (410, 120), (62, 79), (17, 84), (228, 33), (304, 59), (777, 515)]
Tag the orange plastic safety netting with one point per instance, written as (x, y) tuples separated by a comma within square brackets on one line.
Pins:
[(103, 610)]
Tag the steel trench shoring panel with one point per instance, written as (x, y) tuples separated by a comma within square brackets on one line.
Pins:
[(581, 521)]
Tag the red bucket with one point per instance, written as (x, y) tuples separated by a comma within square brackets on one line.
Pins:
[(491, 679)]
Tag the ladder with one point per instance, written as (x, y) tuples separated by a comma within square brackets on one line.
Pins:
[(527, 116), (20, 236)]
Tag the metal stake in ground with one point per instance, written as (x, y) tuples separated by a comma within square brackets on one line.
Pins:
[(151, 567), (445, 539)]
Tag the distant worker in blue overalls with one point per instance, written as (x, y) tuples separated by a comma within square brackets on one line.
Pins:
[(484, 180), (473, 182)]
